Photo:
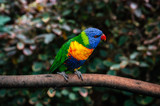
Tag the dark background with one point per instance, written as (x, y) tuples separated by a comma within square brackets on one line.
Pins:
[(31, 33)]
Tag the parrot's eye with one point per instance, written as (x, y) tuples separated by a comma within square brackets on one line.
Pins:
[(96, 36)]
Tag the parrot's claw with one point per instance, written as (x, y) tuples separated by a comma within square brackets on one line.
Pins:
[(79, 74), (64, 75)]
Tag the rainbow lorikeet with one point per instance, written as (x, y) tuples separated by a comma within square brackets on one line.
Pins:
[(76, 51)]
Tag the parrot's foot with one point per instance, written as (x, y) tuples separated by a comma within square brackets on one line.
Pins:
[(64, 75), (79, 74)]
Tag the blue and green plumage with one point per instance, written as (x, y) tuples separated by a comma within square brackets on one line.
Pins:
[(74, 52)]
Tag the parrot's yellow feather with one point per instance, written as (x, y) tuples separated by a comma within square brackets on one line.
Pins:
[(79, 51)]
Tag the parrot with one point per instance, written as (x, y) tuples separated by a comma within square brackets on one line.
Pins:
[(73, 54)]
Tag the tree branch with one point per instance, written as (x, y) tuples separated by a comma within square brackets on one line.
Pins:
[(100, 80)]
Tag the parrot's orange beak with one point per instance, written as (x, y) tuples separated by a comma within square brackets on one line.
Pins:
[(103, 37)]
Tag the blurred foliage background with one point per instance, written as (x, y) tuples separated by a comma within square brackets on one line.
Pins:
[(31, 33)]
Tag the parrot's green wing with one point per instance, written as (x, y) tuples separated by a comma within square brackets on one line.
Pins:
[(61, 56)]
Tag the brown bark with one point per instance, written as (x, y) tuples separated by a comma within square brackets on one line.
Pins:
[(99, 80)]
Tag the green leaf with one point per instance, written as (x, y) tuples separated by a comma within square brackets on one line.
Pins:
[(150, 60), (4, 19), (144, 100), (127, 71), (111, 72), (1, 71), (57, 31), (97, 61), (49, 38), (65, 92), (143, 64), (117, 57), (129, 103), (122, 40), (83, 69), (107, 23), (42, 57), (124, 30), (46, 101), (21, 101), (33, 100), (150, 28), (37, 66), (97, 64), (75, 89), (3, 1), (107, 63), (105, 97), (2, 93), (127, 93), (134, 55), (27, 52), (123, 64), (99, 15), (25, 92), (103, 53), (83, 92), (51, 90), (88, 99), (66, 27), (92, 68), (72, 96), (66, 12), (136, 72), (2, 55), (20, 45), (141, 48), (113, 99), (58, 94), (45, 17), (5, 29), (39, 104), (115, 67), (2, 60)]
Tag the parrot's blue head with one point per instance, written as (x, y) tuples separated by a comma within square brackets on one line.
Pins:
[(95, 36)]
